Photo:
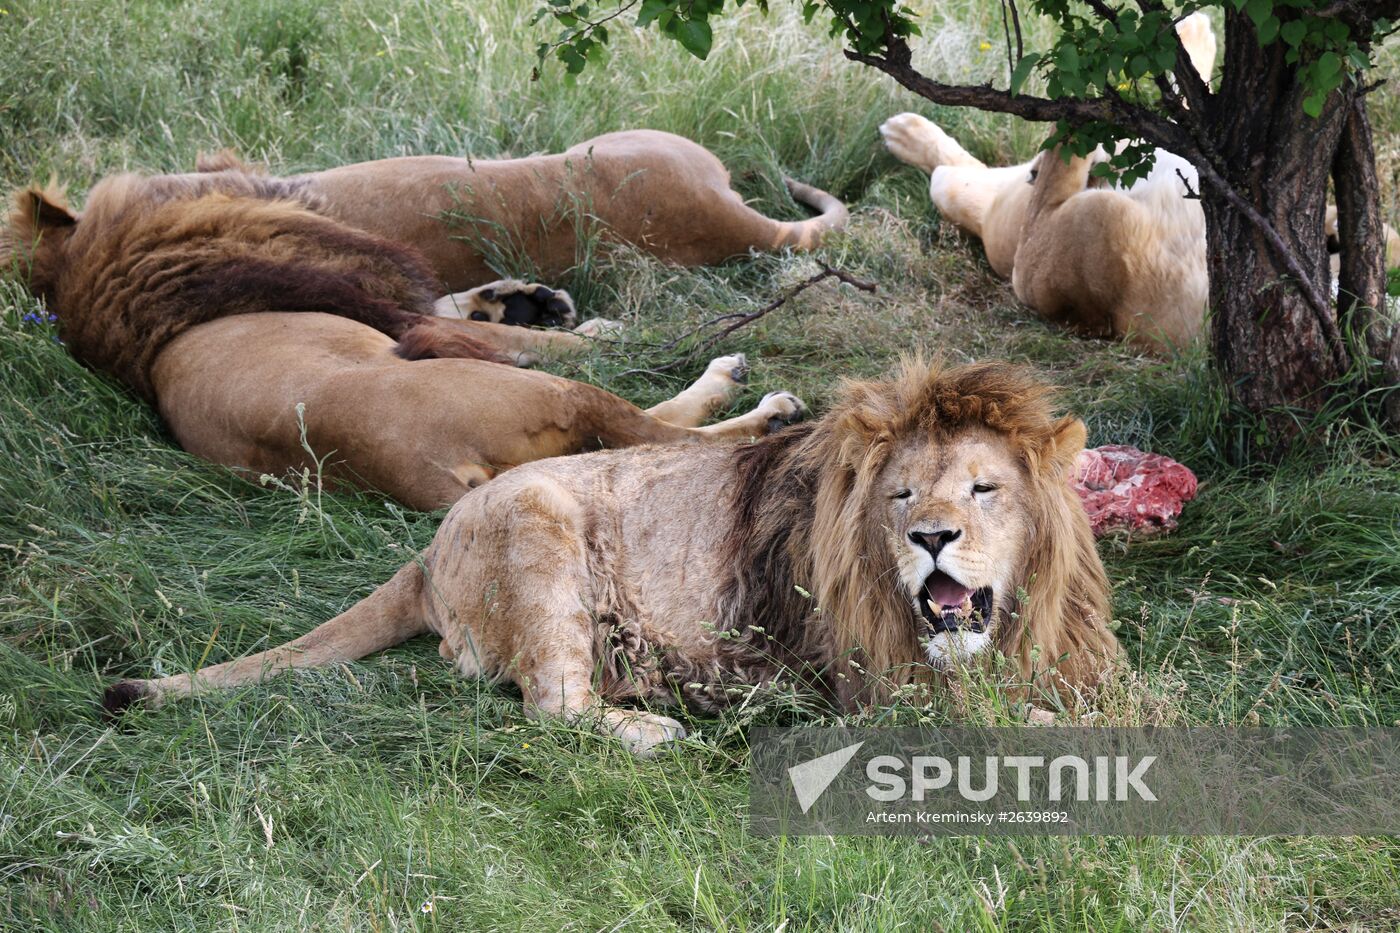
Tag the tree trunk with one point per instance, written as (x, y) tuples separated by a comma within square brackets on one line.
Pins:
[(1360, 231), (1361, 279), (1274, 347)]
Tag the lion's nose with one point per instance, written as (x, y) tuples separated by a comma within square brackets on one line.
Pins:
[(935, 541)]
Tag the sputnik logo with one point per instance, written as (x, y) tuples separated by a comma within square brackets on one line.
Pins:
[(811, 778)]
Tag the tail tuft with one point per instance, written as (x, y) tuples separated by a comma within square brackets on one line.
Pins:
[(433, 340), (122, 695)]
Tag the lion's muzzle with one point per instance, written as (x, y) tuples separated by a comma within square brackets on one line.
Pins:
[(955, 618), (948, 606)]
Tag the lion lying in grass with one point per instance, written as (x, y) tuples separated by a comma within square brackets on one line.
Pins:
[(1107, 262), (925, 520), (656, 191), (269, 335)]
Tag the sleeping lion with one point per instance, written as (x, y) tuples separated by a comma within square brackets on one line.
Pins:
[(656, 191), (923, 522), (1104, 261), (272, 338), (1107, 262)]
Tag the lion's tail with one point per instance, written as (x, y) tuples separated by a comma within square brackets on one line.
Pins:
[(390, 615), (807, 234)]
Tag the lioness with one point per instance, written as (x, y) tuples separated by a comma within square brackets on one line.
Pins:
[(923, 521), (1108, 262), (657, 191), (268, 335)]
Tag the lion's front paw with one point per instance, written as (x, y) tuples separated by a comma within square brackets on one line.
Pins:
[(510, 301), (781, 409), (599, 327), (733, 368), (644, 732)]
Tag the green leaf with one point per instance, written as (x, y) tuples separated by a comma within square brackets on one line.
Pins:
[(573, 61), (1259, 10), (1293, 32), (1329, 64), (696, 36), (1165, 57), (1067, 57), (1023, 71), (1312, 105), (1268, 30), (650, 10)]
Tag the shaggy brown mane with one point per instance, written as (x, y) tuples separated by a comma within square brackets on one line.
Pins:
[(761, 602), (152, 257), (802, 506)]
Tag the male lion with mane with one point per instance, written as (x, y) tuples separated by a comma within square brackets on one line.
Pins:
[(263, 330), (929, 516)]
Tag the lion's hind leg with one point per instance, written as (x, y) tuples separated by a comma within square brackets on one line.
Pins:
[(920, 142), (555, 661), (963, 189), (775, 411)]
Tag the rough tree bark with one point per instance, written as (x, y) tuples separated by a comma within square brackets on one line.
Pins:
[(1360, 232), (1274, 344), (1361, 281)]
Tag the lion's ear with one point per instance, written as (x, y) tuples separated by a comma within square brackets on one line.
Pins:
[(43, 208), (225, 160), (1064, 446)]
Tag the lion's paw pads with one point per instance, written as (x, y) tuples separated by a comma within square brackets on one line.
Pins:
[(782, 409), (913, 139), (922, 143), (599, 327), (734, 368), (511, 301), (644, 732)]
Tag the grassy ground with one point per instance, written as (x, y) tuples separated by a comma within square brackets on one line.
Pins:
[(349, 799)]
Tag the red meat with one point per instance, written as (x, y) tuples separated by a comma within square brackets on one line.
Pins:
[(1124, 489)]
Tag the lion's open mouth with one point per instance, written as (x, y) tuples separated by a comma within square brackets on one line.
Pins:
[(947, 606)]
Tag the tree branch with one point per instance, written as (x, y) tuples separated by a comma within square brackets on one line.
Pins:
[(1138, 120), (743, 320)]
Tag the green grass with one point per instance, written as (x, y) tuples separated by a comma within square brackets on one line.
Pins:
[(345, 799)]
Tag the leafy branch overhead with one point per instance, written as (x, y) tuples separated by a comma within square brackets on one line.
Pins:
[(1115, 72)]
